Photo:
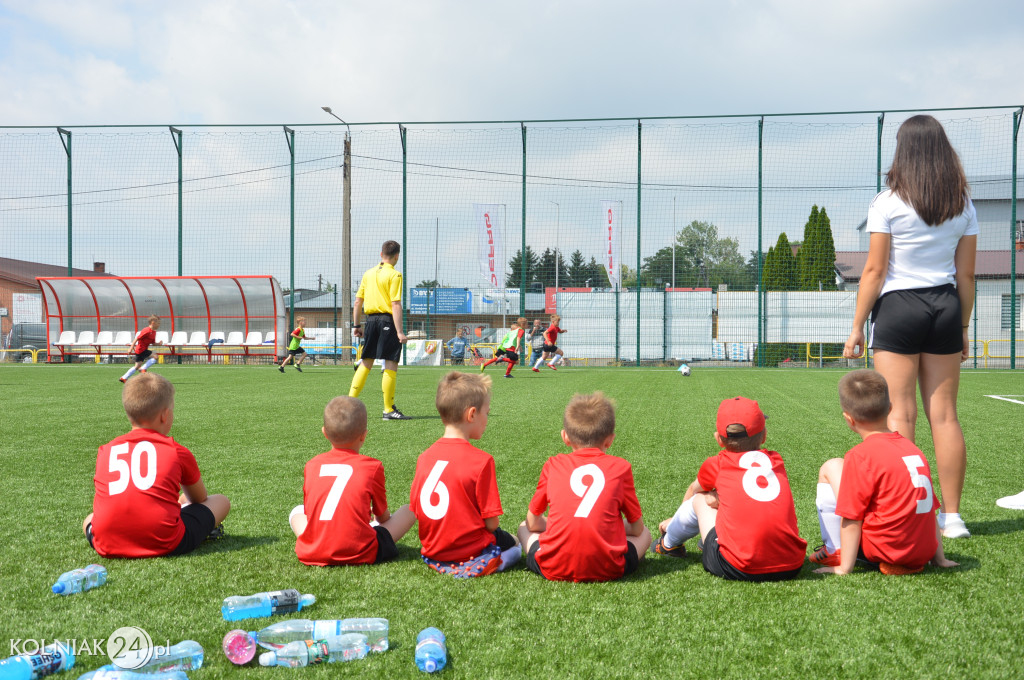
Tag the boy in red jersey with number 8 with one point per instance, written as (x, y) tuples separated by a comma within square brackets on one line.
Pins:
[(740, 504), (137, 510), (455, 489), (876, 506), (586, 493)]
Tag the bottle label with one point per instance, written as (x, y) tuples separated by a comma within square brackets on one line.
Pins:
[(429, 641), (317, 651), (284, 601), (46, 663), (327, 628)]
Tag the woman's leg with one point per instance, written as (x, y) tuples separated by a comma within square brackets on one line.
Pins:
[(940, 380), (900, 372)]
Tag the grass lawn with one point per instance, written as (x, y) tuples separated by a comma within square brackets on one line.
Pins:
[(252, 429)]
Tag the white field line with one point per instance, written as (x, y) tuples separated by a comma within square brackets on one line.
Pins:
[(1006, 397)]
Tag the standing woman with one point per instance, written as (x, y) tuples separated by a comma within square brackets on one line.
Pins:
[(918, 285)]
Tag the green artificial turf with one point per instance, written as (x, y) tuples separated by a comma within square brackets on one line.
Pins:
[(252, 429)]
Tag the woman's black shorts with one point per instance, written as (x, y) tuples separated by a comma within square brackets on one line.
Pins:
[(918, 320)]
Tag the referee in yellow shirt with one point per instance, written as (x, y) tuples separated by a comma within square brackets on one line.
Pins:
[(380, 296)]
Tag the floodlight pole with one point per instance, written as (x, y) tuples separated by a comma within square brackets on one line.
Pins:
[(346, 232), (558, 255)]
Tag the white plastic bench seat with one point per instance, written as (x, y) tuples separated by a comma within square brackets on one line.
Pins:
[(197, 339), (253, 339), (178, 339), (104, 339), (123, 338), (86, 338), (234, 339), (217, 335), (161, 337), (66, 339)]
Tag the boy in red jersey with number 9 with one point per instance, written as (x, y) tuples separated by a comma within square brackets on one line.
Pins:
[(137, 510), (340, 490), (740, 504), (876, 506), (586, 493), (455, 489)]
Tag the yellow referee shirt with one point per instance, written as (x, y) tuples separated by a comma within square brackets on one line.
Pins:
[(381, 285)]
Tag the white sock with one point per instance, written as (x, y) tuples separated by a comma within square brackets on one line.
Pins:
[(683, 526), (944, 516), (510, 557), (129, 374), (539, 362), (149, 362), (556, 360), (828, 521)]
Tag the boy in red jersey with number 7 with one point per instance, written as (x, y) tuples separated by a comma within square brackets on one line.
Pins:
[(137, 510), (876, 506), (740, 504), (586, 494), (455, 489), (340, 490)]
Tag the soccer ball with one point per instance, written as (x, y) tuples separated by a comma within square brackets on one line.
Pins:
[(684, 369)]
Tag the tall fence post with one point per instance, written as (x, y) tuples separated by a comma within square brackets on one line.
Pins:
[(878, 154), (403, 134), (1014, 314), (639, 177), (522, 274), (346, 243), (289, 136), (65, 139), (176, 138), (759, 353)]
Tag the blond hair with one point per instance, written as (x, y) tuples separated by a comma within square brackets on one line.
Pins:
[(300, 320), (589, 419), (146, 396), (460, 391), (864, 395), (152, 318), (344, 419)]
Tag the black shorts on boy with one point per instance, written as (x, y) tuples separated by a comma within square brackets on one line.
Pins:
[(918, 320), (386, 548), (199, 523), (296, 351), (716, 564), (632, 559), (380, 338), (142, 356)]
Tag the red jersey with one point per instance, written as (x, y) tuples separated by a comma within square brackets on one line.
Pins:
[(887, 484), (143, 339), (454, 490), (586, 493), (340, 489), (138, 478), (756, 522), (551, 334)]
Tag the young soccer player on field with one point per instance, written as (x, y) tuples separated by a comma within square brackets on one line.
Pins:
[(586, 493), (508, 348), (137, 510), (551, 345), (740, 504), (294, 346), (340, 490), (455, 490), (140, 348), (876, 506)]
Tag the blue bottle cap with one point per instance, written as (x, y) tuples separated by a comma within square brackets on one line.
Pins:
[(58, 588)]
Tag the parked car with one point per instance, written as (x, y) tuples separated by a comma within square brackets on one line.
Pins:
[(25, 336)]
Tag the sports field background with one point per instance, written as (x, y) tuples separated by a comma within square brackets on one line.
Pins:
[(252, 429)]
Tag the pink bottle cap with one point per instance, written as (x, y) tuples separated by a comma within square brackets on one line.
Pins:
[(239, 647)]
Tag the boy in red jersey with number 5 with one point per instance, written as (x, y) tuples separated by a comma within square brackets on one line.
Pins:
[(876, 506), (586, 493), (340, 490), (137, 510), (455, 489), (740, 504)]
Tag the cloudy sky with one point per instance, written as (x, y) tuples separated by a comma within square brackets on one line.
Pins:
[(273, 61)]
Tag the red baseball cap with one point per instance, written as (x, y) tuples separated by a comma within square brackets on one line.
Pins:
[(740, 411)]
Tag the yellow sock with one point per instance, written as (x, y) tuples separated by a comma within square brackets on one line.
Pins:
[(358, 381), (387, 384)]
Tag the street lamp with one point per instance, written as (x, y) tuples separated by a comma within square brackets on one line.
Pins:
[(673, 241), (346, 230), (558, 254)]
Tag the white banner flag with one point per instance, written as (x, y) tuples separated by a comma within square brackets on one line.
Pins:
[(492, 257), (610, 240)]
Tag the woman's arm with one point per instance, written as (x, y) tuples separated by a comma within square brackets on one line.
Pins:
[(963, 259), (871, 280)]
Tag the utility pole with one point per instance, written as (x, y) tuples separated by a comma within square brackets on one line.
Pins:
[(346, 233)]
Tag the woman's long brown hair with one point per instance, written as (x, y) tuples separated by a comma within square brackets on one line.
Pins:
[(926, 172)]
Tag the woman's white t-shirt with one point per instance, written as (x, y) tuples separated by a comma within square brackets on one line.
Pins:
[(920, 256)]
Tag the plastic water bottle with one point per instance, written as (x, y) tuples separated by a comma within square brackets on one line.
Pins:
[(347, 647), (50, 659), (239, 647), (118, 674), (184, 656), (277, 635), (431, 652), (264, 604), (80, 580)]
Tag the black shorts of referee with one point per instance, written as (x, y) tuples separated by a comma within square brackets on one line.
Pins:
[(380, 338)]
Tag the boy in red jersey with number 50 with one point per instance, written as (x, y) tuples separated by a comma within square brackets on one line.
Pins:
[(340, 490), (455, 489), (876, 506), (137, 510), (586, 493), (740, 504)]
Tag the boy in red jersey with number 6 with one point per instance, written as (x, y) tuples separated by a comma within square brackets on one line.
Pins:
[(137, 510), (876, 506), (455, 489), (586, 493), (340, 490), (740, 504)]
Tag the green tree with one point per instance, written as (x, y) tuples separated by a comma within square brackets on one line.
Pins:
[(817, 256), (781, 271), (577, 270), (514, 277), (597, 275), (432, 283), (549, 260), (702, 258)]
